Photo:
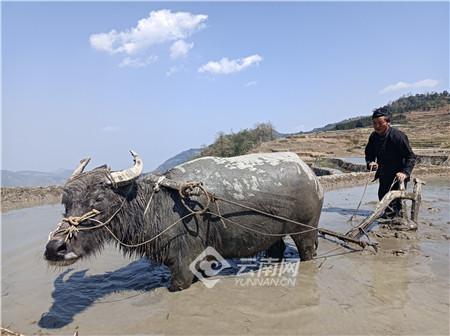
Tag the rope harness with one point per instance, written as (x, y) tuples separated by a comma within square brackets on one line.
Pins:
[(185, 191), (75, 222), (362, 197)]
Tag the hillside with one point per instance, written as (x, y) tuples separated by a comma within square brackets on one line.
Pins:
[(242, 142), (428, 129), (29, 178), (428, 132), (397, 108), (178, 159)]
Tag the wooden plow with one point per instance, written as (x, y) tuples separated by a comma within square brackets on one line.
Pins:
[(414, 196)]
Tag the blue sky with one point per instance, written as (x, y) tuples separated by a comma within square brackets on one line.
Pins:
[(97, 79)]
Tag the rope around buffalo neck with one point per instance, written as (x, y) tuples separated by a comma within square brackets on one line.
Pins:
[(74, 222), (156, 188), (149, 240)]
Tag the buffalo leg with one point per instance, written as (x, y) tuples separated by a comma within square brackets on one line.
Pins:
[(182, 276), (306, 244), (276, 251)]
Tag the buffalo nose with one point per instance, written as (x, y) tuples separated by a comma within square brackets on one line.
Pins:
[(55, 250)]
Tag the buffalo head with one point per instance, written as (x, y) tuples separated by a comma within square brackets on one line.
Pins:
[(90, 199)]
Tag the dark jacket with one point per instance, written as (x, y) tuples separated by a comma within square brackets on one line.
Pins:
[(392, 153)]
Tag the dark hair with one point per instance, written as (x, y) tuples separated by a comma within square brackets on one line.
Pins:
[(382, 112)]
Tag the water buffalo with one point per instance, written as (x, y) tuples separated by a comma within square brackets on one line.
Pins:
[(129, 208)]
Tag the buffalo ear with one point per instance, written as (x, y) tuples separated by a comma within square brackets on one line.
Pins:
[(101, 167)]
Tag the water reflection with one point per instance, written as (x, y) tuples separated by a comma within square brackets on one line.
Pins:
[(79, 290), (74, 292)]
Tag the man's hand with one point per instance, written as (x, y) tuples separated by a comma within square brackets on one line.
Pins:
[(401, 176), (373, 166)]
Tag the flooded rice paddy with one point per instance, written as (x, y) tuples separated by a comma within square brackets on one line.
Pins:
[(403, 289), (353, 159)]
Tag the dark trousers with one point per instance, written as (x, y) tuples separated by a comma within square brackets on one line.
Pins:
[(383, 189)]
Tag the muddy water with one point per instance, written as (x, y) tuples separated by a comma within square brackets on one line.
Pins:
[(404, 289), (353, 159)]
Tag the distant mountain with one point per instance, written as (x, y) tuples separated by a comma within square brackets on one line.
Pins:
[(178, 159), (29, 178), (278, 135), (338, 125), (397, 108)]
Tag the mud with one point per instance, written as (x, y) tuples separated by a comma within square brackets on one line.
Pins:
[(403, 289)]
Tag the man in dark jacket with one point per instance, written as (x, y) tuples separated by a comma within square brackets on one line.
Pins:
[(389, 153)]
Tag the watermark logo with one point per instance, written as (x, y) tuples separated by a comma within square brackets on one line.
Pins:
[(250, 271), (207, 264), (267, 272)]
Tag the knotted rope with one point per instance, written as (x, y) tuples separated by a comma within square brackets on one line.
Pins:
[(189, 189), (76, 220)]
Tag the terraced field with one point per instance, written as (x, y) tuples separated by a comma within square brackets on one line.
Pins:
[(428, 132)]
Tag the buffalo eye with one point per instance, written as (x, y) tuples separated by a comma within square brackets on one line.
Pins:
[(99, 199)]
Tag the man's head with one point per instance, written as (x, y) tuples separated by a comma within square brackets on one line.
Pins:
[(381, 119)]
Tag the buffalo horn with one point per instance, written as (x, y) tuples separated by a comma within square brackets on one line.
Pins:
[(80, 168), (127, 175)]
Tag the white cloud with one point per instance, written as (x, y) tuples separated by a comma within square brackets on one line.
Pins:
[(426, 83), (226, 66), (110, 128), (159, 27), (138, 62), (180, 49), (252, 83)]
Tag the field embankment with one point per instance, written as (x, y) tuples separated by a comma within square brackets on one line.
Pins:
[(23, 197), (331, 182)]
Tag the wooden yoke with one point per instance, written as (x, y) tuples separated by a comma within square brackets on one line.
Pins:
[(415, 197)]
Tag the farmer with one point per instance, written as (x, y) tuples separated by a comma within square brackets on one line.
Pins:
[(389, 153)]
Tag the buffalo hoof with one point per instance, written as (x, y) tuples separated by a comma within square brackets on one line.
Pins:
[(307, 252), (176, 287)]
